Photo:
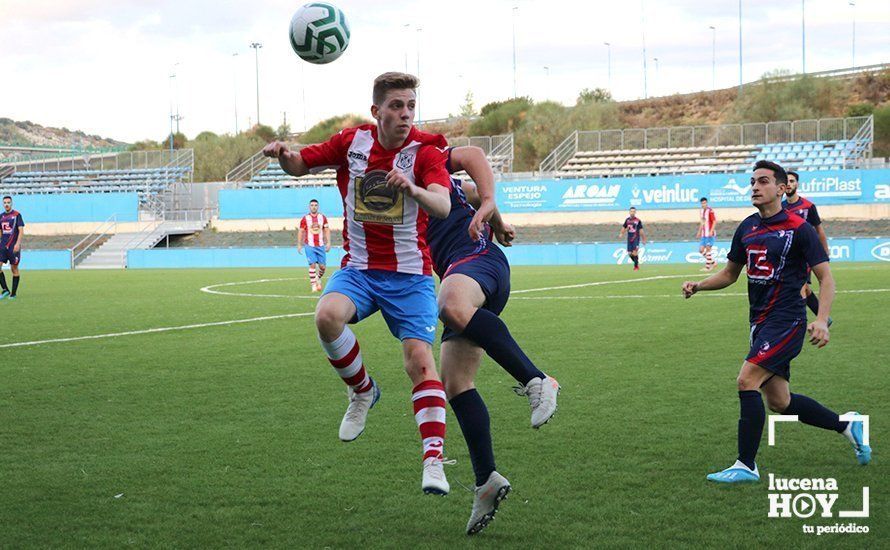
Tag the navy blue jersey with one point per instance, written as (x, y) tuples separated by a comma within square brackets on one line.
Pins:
[(776, 252), (633, 226), (449, 239), (805, 209), (10, 223)]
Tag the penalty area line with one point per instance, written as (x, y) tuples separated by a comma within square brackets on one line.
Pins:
[(155, 330)]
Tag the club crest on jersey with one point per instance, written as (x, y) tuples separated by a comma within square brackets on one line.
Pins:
[(376, 202), (405, 161)]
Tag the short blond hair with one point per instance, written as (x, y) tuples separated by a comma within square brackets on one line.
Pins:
[(392, 81)]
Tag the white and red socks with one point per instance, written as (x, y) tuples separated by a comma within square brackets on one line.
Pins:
[(428, 398), (313, 280), (345, 356)]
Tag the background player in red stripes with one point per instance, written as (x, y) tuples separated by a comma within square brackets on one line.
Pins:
[(707, 234), (315, 233)]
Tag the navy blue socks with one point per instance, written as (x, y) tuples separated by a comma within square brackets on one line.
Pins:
[(491, 334), (472, 415), (751, 418), (809, 411), (813, 303)]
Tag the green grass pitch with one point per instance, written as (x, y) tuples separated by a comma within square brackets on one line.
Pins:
[(226, 435)]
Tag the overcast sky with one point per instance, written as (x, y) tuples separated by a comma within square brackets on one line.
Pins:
[(103, 66)]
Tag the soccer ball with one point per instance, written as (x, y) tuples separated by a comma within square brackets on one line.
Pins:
[(319, 32)]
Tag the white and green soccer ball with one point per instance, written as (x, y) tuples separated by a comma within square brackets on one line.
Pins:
[(319, 32)]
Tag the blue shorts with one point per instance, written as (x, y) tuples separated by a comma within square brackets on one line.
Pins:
[(774, 343), (407, 302), (7, 255), (315, 255), (706, 241), (633, 246), (492, 271)]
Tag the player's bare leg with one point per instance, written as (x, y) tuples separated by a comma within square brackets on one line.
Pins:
[(460, 302), (428, 399), (320, 274), (332, 313), (460, 359)]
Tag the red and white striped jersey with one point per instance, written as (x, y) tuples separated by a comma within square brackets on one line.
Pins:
[(708, 227), (313, 226), (382, 228)]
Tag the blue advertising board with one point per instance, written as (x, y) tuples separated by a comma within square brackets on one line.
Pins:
[(841, 250), (666, 192)]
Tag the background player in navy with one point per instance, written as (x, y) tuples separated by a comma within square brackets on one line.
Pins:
[(10, 246), (807, 210), (776, 247), (475, 288), (634, 228)]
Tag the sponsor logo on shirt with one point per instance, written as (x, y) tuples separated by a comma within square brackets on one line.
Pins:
[(376, 202)]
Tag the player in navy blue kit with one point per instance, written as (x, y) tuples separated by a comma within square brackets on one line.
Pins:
[(776, 247), (475, 288), (807, 210), (634, 228), (10, 246)]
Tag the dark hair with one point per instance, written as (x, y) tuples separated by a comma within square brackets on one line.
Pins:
[(7, 197), (778, 171), (392, 81), (633, 207), (793, 173), (703, 199), (313, 200)]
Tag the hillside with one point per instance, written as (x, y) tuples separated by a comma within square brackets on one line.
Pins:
[(28, 133)]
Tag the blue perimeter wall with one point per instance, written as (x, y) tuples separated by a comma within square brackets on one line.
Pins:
[(566, 195), (45, 259), (842, 250), (77, 207)]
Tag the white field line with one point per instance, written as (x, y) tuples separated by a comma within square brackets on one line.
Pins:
[(209, 289), (599, 283), (677, 295), (153, 330)]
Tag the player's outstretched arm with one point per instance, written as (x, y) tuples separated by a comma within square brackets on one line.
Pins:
[(722, 279), (473, 160), (818, 329), (290, 161), (503, 231)]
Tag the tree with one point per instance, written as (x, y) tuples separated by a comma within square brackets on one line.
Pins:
[(597, 95), (283, 131), (468, 109)]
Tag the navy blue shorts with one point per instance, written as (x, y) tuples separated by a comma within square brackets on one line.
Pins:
[(774, 343), (633, 246), (7, 255), (492, 271)]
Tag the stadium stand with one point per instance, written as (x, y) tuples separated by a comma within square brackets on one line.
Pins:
[(149, 174), (838, 143), (258, 172)]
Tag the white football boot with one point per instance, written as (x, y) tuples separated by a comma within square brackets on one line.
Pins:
[(353, 423), (434, 480), (485, 503), (541, 395)]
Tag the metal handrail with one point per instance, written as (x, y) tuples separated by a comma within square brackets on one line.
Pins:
[(101, 229)]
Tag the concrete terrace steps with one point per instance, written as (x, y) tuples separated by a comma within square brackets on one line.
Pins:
[(112, 254)]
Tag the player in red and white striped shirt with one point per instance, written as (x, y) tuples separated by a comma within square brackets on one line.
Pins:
[(315, 233), (707, 233), (391, 177)]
